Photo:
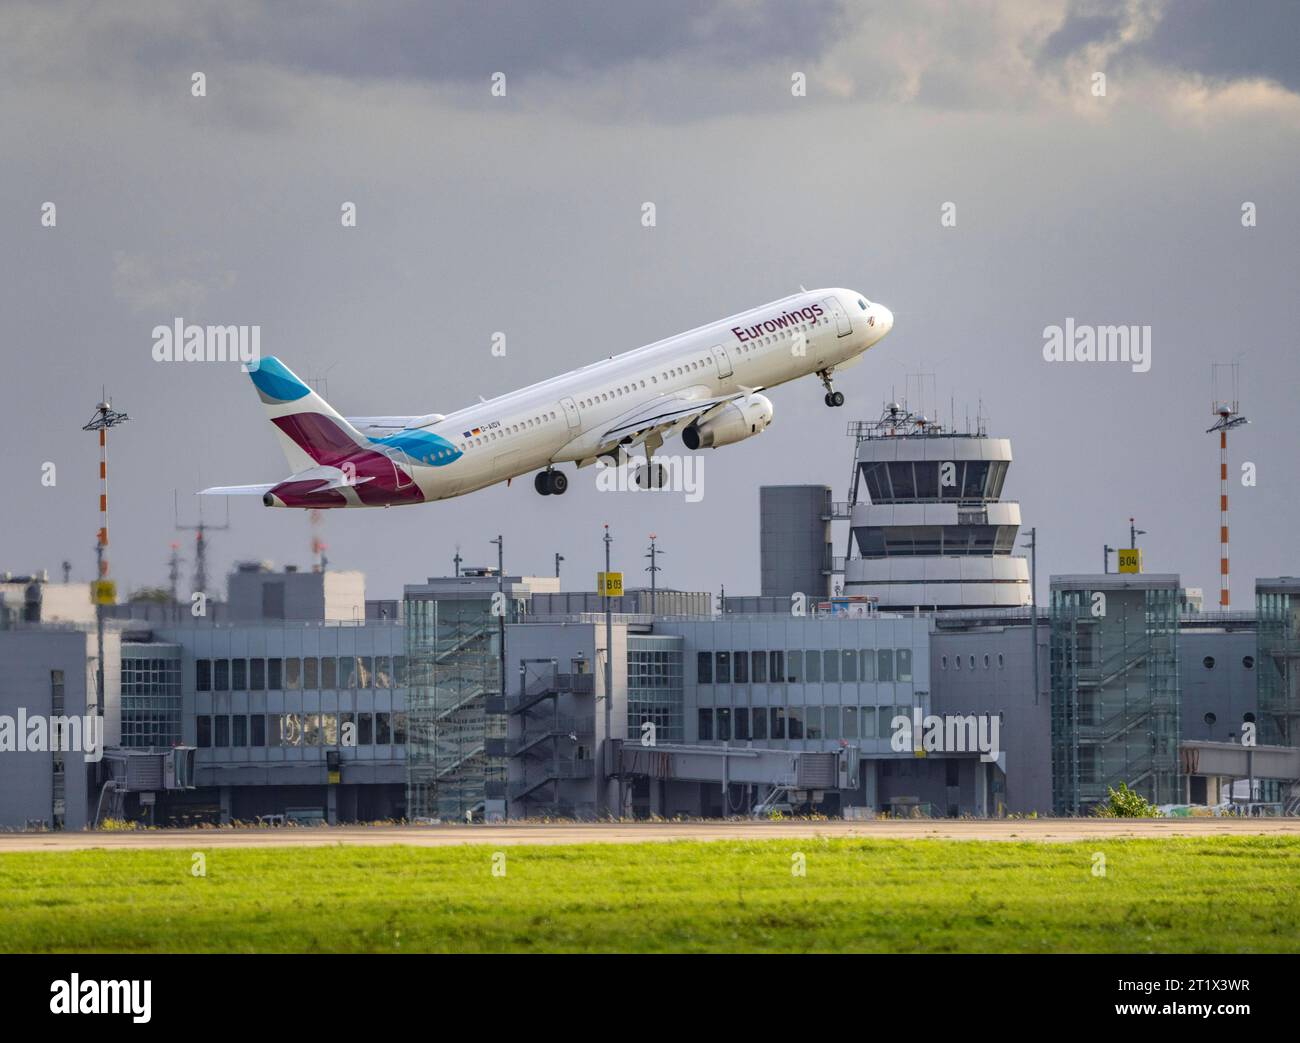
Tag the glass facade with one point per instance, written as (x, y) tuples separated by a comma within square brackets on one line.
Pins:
[(1115, 693), (453, 659), (151, 695), (1277, 609), (654, 688), (913, 481), (813, 683)]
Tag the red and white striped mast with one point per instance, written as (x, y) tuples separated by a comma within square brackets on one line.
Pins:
[(1229, 416), (104, 417)]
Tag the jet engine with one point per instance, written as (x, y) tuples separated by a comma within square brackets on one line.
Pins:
[(737, 421)]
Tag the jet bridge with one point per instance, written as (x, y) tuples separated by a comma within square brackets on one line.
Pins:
[(798, 774)]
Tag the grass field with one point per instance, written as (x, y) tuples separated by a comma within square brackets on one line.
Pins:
[(1178, 895)]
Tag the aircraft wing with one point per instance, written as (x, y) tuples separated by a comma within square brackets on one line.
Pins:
[(663, 415)]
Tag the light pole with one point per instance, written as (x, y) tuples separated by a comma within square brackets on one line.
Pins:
[(558, 558), (501, 626), (1106, 551), (104, 417), (1133, 533), (609, 672), (1033, 602)]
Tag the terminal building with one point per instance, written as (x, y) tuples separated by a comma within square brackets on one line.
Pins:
[(927, 685)]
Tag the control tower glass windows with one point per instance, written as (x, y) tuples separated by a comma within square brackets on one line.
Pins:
[(975, 479), (903, 481), (997, 476), (876, 481), (927, 480)]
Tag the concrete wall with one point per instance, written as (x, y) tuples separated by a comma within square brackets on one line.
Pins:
[(1005, 686), (565, 643), (1227, 690), (60, 602), (255, 595), (27, 657), (794, 540)]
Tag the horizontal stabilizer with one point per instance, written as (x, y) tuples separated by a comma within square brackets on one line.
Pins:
[(239, 490), (323, 478)]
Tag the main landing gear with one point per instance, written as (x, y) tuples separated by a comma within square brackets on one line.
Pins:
[(548, 482), (833, 397)]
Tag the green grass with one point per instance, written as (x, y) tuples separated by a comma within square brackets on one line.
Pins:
[(1223, 894)]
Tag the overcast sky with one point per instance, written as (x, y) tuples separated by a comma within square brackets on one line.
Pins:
[(522, 214)]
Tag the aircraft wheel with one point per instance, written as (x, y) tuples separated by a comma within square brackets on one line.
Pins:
[(542, 484), (837, 398), (559, 482)]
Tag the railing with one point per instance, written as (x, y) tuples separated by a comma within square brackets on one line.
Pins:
[(474, 751), (551, 685), (973, 503), (565, 726), (552, 772)]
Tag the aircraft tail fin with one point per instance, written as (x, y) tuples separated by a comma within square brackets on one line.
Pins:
[(309, 430)]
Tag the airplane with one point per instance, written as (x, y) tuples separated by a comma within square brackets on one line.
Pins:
[(703, 385)]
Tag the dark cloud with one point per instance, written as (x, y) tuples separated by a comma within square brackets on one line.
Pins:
[(463, 39), (1084, 24), (1228, 40), (1220, 39)]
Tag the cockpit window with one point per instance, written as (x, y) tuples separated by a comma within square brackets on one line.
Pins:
[(862, 304)]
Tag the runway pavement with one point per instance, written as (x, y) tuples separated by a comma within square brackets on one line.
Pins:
[(1036, 830)]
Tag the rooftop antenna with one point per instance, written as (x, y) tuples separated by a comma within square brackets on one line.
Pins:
[(654, 568), (1228, 416), (200, 582), (320, 384), (174, 570)]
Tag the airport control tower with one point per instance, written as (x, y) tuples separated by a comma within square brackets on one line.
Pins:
[(927, 526)]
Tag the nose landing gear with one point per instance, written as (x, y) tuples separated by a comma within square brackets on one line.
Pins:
[(550, 482)]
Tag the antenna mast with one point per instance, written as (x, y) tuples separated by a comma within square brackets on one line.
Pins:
[(1229, 415)]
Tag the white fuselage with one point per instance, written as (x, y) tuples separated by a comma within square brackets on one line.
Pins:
[(566, 418)]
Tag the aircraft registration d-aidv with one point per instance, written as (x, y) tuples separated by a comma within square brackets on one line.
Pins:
[(703, 385)]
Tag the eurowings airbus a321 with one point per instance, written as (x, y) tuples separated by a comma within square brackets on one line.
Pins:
[(704, 385)]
